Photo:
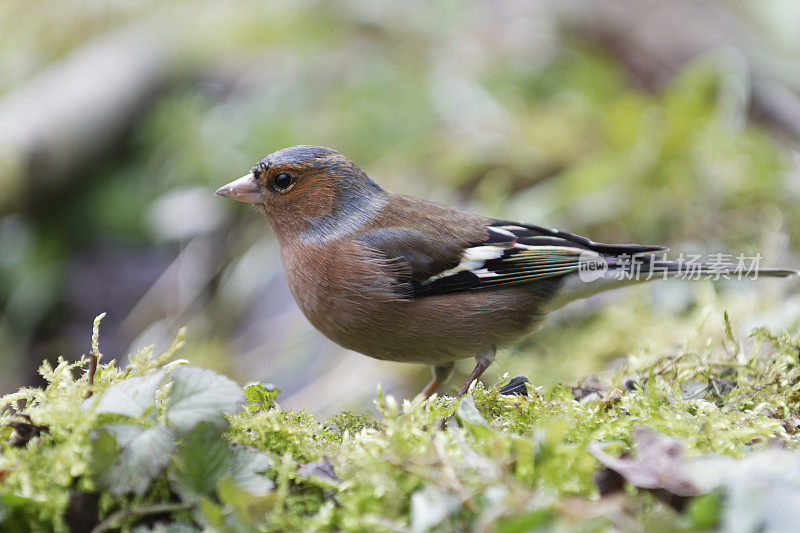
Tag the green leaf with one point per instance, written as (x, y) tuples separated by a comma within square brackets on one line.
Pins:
[(231, 494), (248, 467), (200, 395), (471, 418), (104, 451), (14, 500), (260, 397), (247, 509), (201, 461), (536, 519), (144, 454), (131, 397), (207, 457), (468, 413), (12, 512), (211, 514), (704, 511)]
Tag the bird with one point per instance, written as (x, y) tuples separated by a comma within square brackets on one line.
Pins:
[(406, 279)]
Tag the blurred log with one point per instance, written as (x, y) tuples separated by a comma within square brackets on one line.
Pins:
[(64, 119)]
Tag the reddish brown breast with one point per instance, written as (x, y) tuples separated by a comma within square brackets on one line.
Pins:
[(338, 285)]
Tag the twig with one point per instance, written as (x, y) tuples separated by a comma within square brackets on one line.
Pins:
[(95, 356), (111, 522)]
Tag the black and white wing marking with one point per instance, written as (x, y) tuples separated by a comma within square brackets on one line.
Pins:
[(516, 253)]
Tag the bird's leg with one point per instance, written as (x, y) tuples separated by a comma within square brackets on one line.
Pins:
[(483, 359), (476, 373), (440, 375)]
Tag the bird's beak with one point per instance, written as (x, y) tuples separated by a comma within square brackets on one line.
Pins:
[(245, 189)]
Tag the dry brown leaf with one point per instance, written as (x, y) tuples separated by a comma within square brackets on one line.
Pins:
[(659, 465)]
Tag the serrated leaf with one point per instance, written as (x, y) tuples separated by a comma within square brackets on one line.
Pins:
[(131, 397), (211, 514), (124, 434), (231, 494), (206, 457), (248, 467), (200, 395), (247, 508), (244, 509), (143, 456), (660, 464), (104, 452), (201, 461)]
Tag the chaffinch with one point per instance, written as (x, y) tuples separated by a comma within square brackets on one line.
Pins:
[(406, 279)]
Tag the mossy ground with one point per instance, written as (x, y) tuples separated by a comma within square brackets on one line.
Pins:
[(487, 462)]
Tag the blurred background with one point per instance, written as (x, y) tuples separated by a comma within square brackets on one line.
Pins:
[(674, 123)]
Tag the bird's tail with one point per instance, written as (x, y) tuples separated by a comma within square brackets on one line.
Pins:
[(693, 270), (613, 272)]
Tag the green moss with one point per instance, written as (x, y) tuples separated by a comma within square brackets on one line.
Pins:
[(506, 462), (280, 432)]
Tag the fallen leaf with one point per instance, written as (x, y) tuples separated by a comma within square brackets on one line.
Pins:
[(589, 389), (777, 443), (722, 386), (659, 465), (693, 390), (613, 397), (608, 481), (769, 413), (792, 424), (322, 469)]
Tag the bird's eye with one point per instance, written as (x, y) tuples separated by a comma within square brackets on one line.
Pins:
[(283, 181)]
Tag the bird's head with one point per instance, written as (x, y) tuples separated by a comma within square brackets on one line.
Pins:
[(311, 192)]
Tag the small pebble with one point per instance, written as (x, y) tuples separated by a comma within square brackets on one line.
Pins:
[(632, 385)]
